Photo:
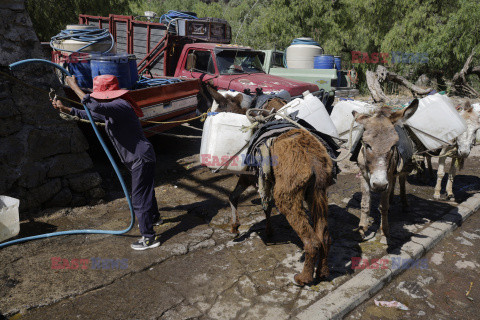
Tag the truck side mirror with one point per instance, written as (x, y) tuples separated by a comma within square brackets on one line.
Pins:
[(191, 61)]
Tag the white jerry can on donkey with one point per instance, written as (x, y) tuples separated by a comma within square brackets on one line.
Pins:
[(312, 110), (222, 138), (476, 108), (436, 122), (342, 118), (9, 220)]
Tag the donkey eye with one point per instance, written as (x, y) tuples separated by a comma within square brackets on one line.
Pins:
[(368, 146)]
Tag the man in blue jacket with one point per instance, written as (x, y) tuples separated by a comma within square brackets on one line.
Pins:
[(110, 104)]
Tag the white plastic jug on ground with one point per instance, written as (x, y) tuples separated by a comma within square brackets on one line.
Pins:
[(222, 138), (342, 118), (9, 220), (246, 101), (436, 117), (312, 110)]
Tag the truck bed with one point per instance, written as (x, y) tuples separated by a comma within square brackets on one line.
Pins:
[(168, 103)]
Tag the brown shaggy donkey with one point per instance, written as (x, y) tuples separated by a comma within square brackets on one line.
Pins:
[(303, 171)]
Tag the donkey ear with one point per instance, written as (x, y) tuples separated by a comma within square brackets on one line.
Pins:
[(406, 113), (410, 110), (221, 100), (238, 99), (360, 117)]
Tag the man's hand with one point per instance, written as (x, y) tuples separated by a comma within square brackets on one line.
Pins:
[(57, 104), (71, 81)]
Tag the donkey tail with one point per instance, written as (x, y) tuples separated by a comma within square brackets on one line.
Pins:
[(319, 201)]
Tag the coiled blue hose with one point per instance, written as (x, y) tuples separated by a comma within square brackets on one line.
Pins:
[(91, 36), (152, 82), (172, 14), (299, 41), (112, 161)]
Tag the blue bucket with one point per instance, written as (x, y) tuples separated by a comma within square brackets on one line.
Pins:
[(80, 67), (113, 64), (324, 61)]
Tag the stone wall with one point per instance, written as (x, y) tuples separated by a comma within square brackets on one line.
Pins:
[(43, 158)]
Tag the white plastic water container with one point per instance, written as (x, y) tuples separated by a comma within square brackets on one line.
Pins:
[(476, 108), (312, 110), (9, 220), (246, 101), (301, 56), (222, 138), (342, 118), (436, 116), (74, 45)]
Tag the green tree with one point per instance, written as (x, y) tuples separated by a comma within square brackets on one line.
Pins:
[(49, 17)]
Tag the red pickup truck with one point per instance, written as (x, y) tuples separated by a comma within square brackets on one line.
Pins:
[(200, 50), (233, 68)]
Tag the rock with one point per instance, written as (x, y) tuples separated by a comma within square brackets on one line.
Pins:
[(36, 196), (10, 126), (96, 193), (84, 181), (78, 201), (36, 145), (46, 143), (7, 107), (78, 143), (8, 177), (11, 150), (4, 92), (61, 199), (33, 175), (65, 164)]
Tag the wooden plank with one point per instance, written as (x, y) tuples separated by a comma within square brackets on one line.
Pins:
[(143, 36), (153, 31), (121, 26)]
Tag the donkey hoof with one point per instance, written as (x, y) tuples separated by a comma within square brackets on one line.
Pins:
[(323, 274), (450, 197), (360, 232), (300, 280), (383, 239), (437, 197), (234, 229)]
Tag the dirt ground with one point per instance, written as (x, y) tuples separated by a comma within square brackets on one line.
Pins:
[(201, 271)]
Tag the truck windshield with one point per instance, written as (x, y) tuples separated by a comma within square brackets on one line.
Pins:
[(236, 62)]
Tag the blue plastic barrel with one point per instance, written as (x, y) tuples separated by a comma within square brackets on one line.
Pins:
[(132, 64), (324, 61), (79, 66), (113, 64), (338, 62), (338, 66)]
